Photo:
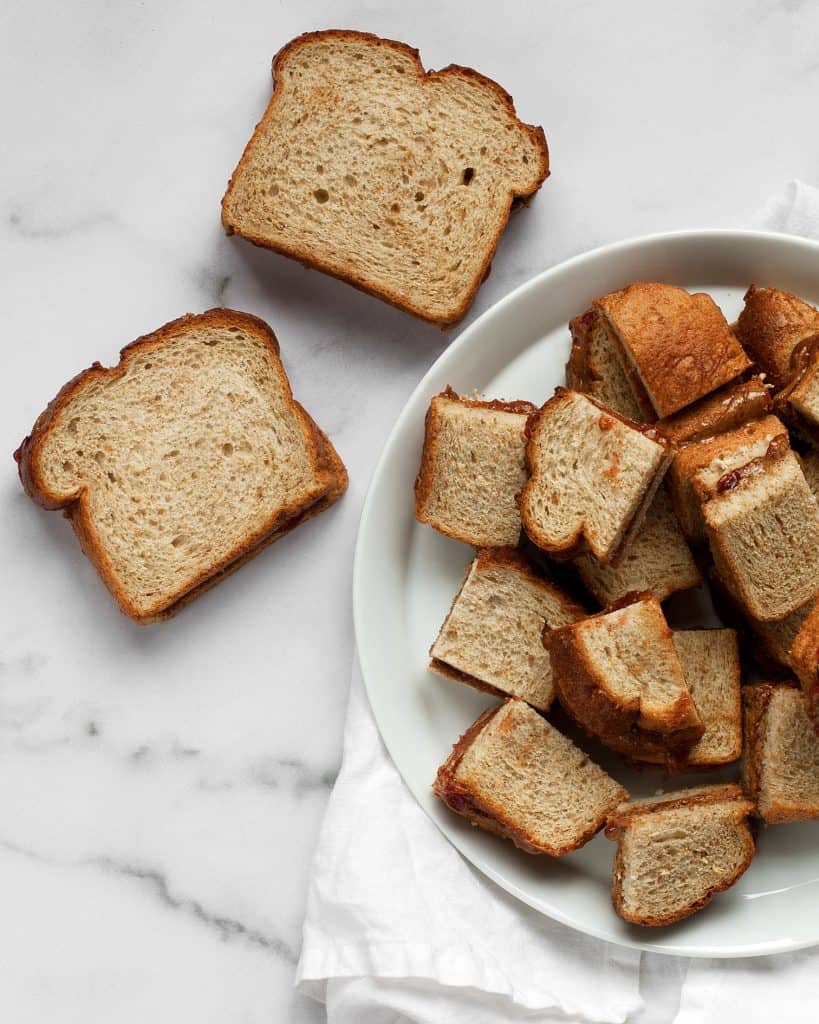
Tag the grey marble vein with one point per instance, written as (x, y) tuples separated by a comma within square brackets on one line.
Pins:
[(291, 773), (228, 927), (24, 224), (213, 282)]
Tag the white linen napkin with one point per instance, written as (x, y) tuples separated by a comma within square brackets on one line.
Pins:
[(399, 928)]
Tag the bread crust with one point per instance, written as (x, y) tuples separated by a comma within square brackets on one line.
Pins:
[(676, 347), (719, 413), (486, 814), (771, 325), (330, 471), (425, 481), (577, 542), (804, 369), (805, 661), (515, 199), (615, 722)]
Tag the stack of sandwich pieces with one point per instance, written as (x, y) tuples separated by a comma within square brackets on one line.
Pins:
[(679, 452)]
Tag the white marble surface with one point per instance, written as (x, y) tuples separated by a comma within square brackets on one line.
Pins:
[(161, 788)]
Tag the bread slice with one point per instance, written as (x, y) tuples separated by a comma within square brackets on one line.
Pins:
[(781, 766), (656, 560), (491, 637), (677, 851), (810, 467), (473, 468), (595, 368), (514, 774), (698, 467), (798, 403), (618, 676), (719, 412), (675, 347), (770, 327), (397, 180), (805, 661), (592, 477), (181, 462), (711, 666), (763, 528)]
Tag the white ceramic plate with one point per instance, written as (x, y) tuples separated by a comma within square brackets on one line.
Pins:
[(406, 575)]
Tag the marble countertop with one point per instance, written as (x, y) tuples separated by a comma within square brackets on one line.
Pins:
[(161, 788)]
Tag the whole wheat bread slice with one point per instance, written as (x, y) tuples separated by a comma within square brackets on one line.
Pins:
[(491, 637), (618, 675), (592, 477), (514, 774), (719, 412), (770, 327), (711, 666), (763, 528), (656, 560), (675, 347), (181, 462), (698, 467), (676, 852), (473, 467), (798, 403), (595, 368), (397, 180), (805, 661), (781, 765)]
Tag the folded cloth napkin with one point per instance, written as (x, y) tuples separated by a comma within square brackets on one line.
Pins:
[(399, 928)]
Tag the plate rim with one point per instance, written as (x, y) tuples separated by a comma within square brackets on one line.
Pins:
[(728, 235)]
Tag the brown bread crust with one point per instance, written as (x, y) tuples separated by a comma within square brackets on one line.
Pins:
[(771, 325), (725, 410), (804, 366), (613, 722), (805, 661), (676, 347), (308, 259), (330, 470)]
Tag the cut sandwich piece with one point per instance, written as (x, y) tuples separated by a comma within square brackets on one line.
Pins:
[(798, 403), (592, 477), (710, 663), (805, 661), (491, 637), (781, 766), (396, 180), (514, 774), (719, 412), (675, 347), (656, 560), (473, 467), (619, 676), (677, 851), (181, 462), (698, 467), (763, 528), (810, 467), (595, 368), (770, 327)]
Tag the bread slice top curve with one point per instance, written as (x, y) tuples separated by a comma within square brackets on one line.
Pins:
[(618, 675), (678, 347), (781, 766), (771, 326), (182, 460), (656, 560), (491, 637), (514, 774), (397, 180), (763, 528), (592, 477), (473, 467), (677, 851)]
